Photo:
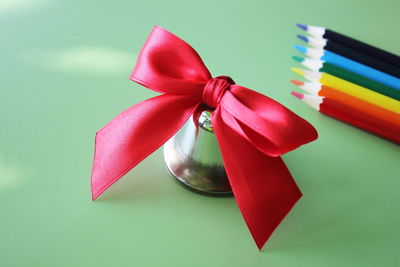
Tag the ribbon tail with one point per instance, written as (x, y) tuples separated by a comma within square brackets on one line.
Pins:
[(262, 185), (134, 134)]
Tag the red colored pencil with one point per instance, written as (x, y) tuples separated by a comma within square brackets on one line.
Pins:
[(352, 116)]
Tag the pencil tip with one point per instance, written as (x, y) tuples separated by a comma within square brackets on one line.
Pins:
[(301, 49), (302, 26), (302, 37), (298, 71), (298, 59), (297, 94), (296, 82)]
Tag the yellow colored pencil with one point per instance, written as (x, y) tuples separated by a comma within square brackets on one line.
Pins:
[(351, 89)]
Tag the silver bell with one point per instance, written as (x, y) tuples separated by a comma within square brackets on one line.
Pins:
[(193, 158)]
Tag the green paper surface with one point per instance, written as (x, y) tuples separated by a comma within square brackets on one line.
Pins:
[(64, 74)]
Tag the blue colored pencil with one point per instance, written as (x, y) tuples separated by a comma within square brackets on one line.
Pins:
[(350, 65)]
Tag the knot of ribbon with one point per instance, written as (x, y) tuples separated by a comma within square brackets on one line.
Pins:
[(215, 89), (252, 131)]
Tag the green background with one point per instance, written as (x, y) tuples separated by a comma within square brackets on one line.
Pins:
[(64, 69)]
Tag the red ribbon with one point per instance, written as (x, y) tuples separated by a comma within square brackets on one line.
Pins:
[(251, 129)]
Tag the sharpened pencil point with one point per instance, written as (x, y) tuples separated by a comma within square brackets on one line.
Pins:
[(301, 49), (298, 71), (302, 37), (296, 82), (298, 59), (297, 94), (302, 26)]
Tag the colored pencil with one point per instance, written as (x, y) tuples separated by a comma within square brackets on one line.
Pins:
[(351, 65), (356, 56), (351, 116), (322, 66), (316, 42), (351, 89), (352, 43), (370, 109)]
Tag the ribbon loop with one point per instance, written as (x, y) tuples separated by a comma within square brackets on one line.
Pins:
[(215, 90)]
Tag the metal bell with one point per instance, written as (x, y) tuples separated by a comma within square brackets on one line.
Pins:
[(193, 158)]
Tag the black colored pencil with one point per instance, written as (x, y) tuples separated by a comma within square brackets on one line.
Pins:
[(362, 47)]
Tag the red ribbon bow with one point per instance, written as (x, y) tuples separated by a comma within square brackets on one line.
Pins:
[(251, 129)]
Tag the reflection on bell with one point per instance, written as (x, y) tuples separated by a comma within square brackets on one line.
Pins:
[(193, 158)]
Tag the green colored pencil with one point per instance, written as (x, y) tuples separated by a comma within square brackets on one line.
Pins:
[(321, 66)]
